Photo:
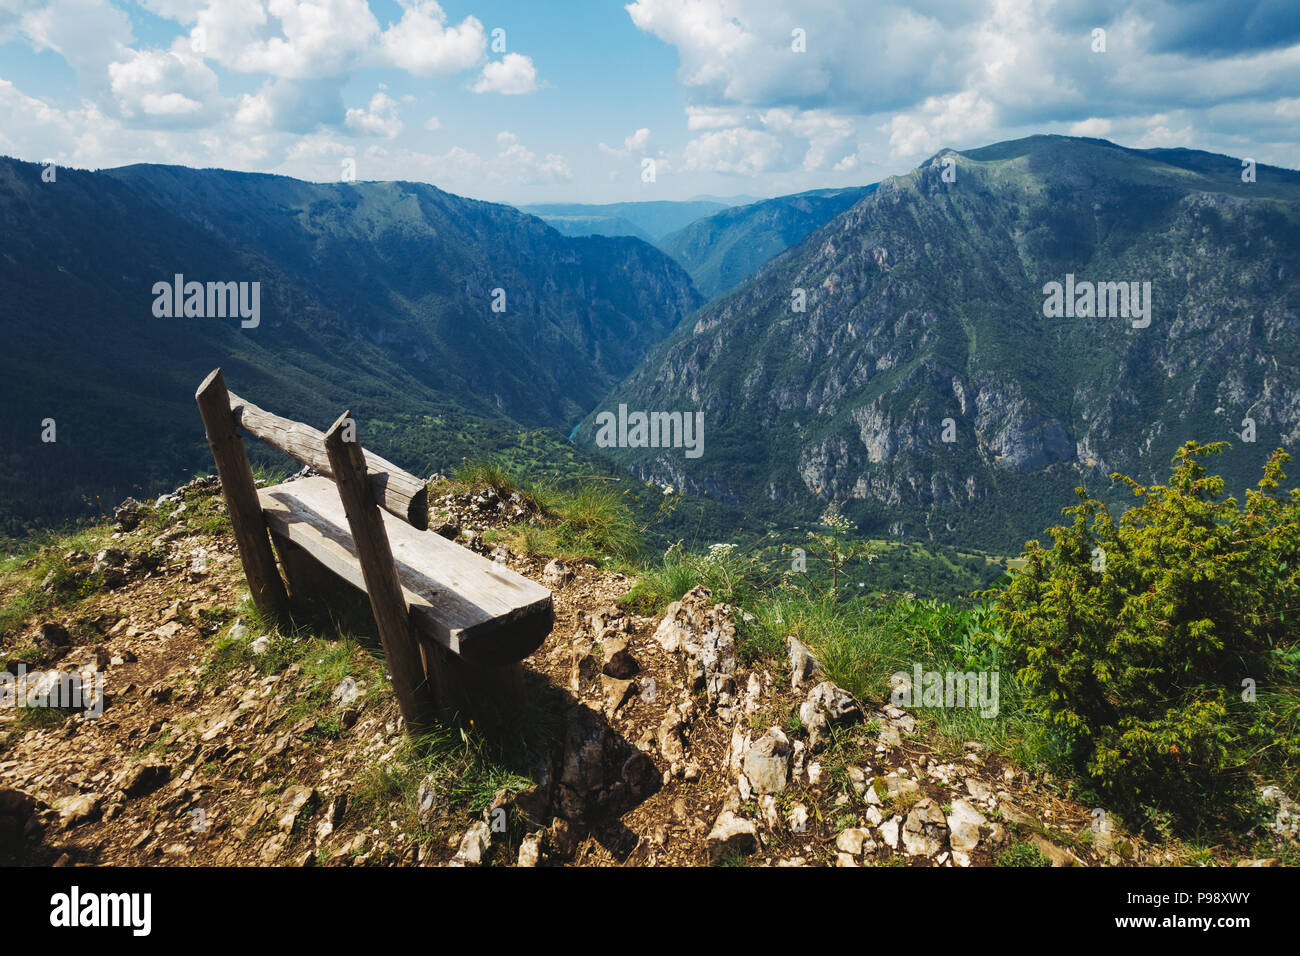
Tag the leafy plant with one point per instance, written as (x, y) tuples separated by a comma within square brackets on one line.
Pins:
[(1136, 638)]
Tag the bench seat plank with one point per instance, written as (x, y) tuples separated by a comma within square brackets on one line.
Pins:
[(474, 607)]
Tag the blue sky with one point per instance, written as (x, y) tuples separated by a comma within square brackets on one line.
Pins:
[(726, 97)]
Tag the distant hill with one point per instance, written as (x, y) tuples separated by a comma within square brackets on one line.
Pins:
[(596, 226), (374, 296), (649, 220), (727, 247)]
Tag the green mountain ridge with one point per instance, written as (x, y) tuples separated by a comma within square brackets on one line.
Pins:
[(723, 249), (374, 296), (924, 302)]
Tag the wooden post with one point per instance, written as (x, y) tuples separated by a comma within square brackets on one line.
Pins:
[(392, 617), (264, 584)]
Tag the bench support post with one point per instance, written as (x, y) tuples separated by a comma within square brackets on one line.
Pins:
[(487, 693), (392, 617), (240, 492)]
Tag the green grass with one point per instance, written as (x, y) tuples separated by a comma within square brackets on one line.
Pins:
[(42, 558), (1022, 854), (586, 518)]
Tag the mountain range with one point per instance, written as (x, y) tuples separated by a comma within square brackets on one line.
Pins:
[(904, 360), (400, 300), (723, 249), (921, 352)]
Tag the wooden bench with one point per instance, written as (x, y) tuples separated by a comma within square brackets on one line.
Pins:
[(454, 625)]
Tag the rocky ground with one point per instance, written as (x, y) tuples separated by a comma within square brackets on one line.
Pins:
[(222, 744)]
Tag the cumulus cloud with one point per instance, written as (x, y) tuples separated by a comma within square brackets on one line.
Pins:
[(165, 87), (738, 150), (938, 121), (88, 34), (422, 42), (908, 79), (634, 144), (377, 119), (308, 38), (293, 106), (511, 75)]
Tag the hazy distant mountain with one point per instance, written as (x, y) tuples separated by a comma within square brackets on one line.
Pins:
[(374, 295), (740, 199), (651, 220), (727, 247), (925, 387), (596, 226)]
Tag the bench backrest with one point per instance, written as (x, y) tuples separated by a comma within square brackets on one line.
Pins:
[(396, 491)]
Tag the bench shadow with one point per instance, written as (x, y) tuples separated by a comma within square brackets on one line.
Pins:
[(586, 774)]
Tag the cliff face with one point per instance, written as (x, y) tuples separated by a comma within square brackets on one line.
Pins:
[(929, 382)]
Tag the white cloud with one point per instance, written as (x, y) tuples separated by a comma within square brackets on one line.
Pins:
[(825, 132), (165, 87), (433, 123), (1095, 126), (314, 38), (423, 44), (182, 11), (940, 121), (88, 34), (636, 143), (511, 75), (710, 117), (738, 150), (378, 119)]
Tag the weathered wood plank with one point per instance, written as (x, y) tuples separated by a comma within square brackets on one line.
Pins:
[(397, 491), (246, 518), (474, 607), (392, 617)]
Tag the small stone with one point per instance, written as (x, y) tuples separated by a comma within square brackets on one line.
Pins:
[(767, 762), (851, 840), (889, 832), (474, 846), (556, 574), (731, 834), (925, 830), (614, 692), (802, 663), (530, 850), (292, 802), (145, 778), (964, 824), (346, 692), (78, 809), (619, 662), (767, 807)]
